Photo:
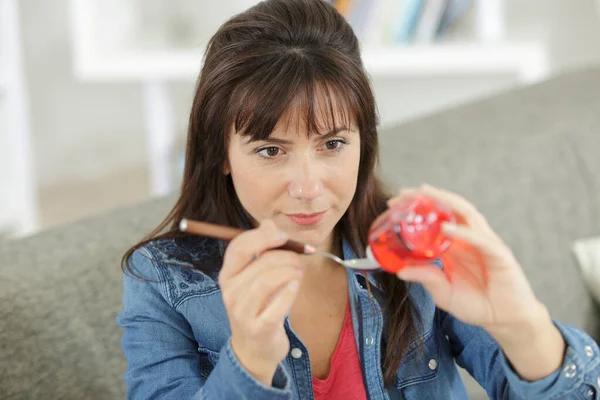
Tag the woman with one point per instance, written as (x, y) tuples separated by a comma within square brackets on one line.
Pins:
[(282, 141)]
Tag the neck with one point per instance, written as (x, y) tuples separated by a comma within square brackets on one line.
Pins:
[(319, 268)]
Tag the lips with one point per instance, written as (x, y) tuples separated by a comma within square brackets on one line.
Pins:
[(306, 219)]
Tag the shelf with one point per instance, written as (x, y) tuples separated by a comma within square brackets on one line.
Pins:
[(6, 225), (17, 180), (528, 60), (137, 65), (6, 221), (3, 82)]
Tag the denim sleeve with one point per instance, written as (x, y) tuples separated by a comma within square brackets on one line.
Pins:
[(476, 351), (162, 352)]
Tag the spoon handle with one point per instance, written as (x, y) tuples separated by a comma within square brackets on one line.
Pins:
[(227, 233)]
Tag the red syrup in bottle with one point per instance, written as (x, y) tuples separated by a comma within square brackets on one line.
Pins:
[(409, 233)]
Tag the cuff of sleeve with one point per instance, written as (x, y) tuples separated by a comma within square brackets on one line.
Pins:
[(241, 385), (580, 357)]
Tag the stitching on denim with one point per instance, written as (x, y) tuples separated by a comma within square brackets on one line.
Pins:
[(379, 330), (577, 380), (160, 274), (196, 293), (168, 279), (211, 355), (249, 378), (422, 378), (292, 369)]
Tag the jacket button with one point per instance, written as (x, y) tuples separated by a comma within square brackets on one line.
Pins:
[(296, 353), (590, 393), (588, 351), (570, 370), (369, 341), (432, 364)]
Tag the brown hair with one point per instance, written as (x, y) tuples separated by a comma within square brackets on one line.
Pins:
[(259, 64)]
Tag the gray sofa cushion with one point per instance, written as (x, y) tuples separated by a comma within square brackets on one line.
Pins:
[(587, 255), (60, 292), (529, 160)]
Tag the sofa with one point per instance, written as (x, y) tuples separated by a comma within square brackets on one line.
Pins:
[(527, 158)]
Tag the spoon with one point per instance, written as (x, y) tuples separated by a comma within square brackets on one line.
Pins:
[(228, 233)]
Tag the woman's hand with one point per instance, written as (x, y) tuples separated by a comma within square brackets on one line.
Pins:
[(484, 285), (259, 286)]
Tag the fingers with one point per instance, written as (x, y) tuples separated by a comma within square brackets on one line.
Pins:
[(272, 262), (466, 212), (484, 243), (402, 195), (244, 248), (433, 280), (260, 295), (460, 205), (465, 265), (256, 285), (279, 306)]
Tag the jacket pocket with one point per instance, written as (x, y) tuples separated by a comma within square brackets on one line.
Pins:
[(208, 360), (421, 363)]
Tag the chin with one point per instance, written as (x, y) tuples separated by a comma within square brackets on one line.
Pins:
[(315, 235), (315, 238)]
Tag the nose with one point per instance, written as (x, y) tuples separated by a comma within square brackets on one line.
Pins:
[(305, 182)]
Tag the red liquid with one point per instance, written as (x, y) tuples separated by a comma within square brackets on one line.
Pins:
[(409, 233)]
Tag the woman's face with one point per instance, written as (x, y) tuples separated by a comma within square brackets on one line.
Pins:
[(304, 183)]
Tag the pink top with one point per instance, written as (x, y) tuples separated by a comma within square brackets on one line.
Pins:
[(345, 380)]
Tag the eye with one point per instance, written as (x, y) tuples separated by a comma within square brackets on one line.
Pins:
[(335, 145), (269, 152)]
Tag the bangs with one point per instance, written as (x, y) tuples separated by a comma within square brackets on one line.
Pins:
[(290, 91)]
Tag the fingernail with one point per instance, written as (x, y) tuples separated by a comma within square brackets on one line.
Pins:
[(402, 275), (448, 227), (265, 222), (281, 235), (405, 272), (294, 285)]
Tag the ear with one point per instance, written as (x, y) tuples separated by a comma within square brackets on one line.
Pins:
[(226, 168)]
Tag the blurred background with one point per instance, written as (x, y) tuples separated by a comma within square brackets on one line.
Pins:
[(95, 94)]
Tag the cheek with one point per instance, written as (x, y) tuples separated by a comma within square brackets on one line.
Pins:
[(342, 177), (256, 188)]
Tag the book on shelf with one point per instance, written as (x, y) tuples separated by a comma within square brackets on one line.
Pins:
[(430, 19), (408, 15), (400, 21)]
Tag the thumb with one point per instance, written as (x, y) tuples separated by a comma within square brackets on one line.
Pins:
[(432, 278)]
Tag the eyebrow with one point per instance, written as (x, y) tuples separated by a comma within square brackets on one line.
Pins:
[(321, 136)]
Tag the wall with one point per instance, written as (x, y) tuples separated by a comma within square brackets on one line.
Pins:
[(83, 131)]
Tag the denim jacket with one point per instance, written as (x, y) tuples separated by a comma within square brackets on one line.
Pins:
[(176, 340)]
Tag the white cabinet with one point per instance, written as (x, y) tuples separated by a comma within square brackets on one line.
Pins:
[(18, 205), (145, 54)]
